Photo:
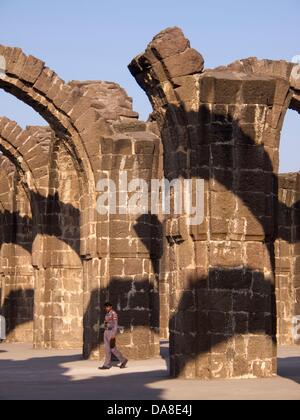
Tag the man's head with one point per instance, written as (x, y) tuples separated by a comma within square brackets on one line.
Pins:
[(108, 307)]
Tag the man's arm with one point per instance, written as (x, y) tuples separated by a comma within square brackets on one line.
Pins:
[(114, 325)]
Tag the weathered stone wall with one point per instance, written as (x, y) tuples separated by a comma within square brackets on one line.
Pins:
[(222, 126), (287, 258)]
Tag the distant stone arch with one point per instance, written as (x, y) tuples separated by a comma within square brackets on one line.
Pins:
[(30, 160), (30, 155), (68, 112)]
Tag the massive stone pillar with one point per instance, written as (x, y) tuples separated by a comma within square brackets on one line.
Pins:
[(131, 243), (287, 260), (62, 261), (126, 265), (222, 126)]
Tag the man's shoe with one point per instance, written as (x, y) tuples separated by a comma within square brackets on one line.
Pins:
[(104, 368), (124, 364)]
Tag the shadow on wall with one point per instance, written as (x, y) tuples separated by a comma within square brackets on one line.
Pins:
[(136, 297), (149, 230), (221, 318), (223, 309), (17, 308), (153, 240), (127, 296), (50, 209), (215, 157)]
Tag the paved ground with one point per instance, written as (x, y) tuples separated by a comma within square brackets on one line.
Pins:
[(31, 374)]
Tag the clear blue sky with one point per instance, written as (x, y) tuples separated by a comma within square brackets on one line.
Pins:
[(96, 39)]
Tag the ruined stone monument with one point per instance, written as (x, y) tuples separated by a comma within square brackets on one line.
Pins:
[(217, 290)]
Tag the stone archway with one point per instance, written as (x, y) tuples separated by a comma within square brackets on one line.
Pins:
[(223, 126), (96, 122), (74, 120)]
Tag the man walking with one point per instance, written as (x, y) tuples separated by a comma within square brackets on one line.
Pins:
[(110, 333), (2, 329)]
